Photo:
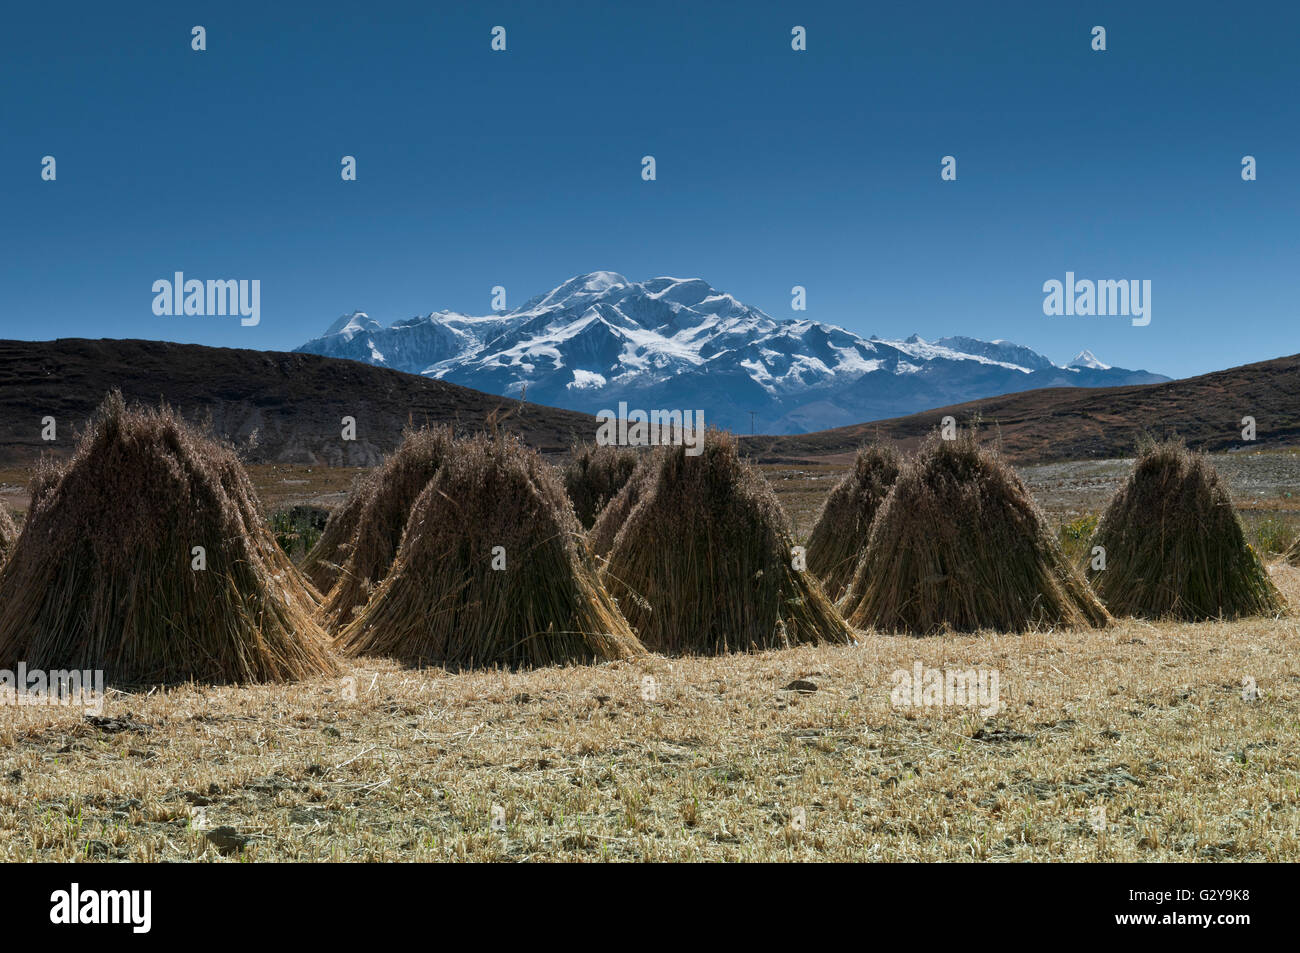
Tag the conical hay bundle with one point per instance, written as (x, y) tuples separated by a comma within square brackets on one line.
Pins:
[(960, 544), (385, 507), (1174, 546), (8, 534), (46, 477), (325, 561), (103, 575), (704, 562), (445, 603), (839, 536), (594, 475), (600, 538)]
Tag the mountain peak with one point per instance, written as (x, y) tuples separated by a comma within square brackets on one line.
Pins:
[(599, 280), (1086, 358), (590, 285), (350, 324), (599, 338), (684, 291)]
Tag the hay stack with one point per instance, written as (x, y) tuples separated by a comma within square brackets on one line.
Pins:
[(959, 544), (1174, 546), (8, 534), (444, 603), (386, 500), (600, 538), (839, 536), (594, 475), (323, 564), (703, 561), (102, 575)]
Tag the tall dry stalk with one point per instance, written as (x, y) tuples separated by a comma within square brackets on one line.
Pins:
[(385, 505), (1174, 546), (325, 561), (8, 534), (839, 537), (703, 561), (960, 544), (491, 571), (103, 577), (594, 475), (600, 538)]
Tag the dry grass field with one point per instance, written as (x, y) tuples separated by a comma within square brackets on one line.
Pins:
[(789, 755), (1146, 721)]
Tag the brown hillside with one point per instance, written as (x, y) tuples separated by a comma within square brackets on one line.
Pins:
[(294, 402), (1079, 423)]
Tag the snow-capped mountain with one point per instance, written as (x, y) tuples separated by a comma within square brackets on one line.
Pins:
[(1087, 359), (674, 343)]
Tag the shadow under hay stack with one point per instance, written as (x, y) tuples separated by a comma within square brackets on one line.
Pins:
[(959, 544), (444, 603), (102, 576), (703, 561), (385, 506), (1174, 546), (840, 534)]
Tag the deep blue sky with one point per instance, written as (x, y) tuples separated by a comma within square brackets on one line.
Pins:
[(775, 168)]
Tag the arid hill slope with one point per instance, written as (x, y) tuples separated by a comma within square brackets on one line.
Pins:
[(287, 408), (293, 402), (1076, 423)]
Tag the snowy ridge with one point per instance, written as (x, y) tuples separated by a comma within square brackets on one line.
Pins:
[(599, 338), (1086, 359)]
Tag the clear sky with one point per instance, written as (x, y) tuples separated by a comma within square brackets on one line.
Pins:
[(775, 168)]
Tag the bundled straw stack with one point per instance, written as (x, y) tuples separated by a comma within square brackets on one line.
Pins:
[(104, 575), (839, 537), (8, 534), (600, 538), (959, 544), (325, 561), (385, 505), (594, 475), (1174, 547), (491, 571), (703, 561)]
